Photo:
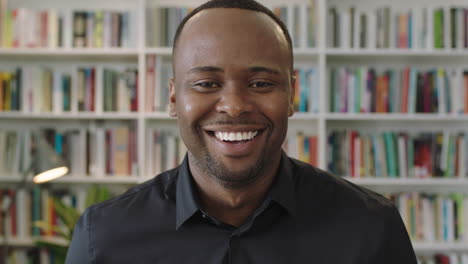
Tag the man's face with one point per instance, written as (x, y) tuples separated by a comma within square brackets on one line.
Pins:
[(232, 93)]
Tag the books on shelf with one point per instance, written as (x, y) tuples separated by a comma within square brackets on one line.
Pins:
[(54, 89), (302, 147), (158, 73), (10, 90), (408, 90), (120, 151), (96, 150), (426, 27), (120, 90), (53, 28), (398, 154), (445, 258), (31, 28), (103, 29), (433, 217), (161, 24), (306, 97), (33, 205), (301, 21), (165, 151)]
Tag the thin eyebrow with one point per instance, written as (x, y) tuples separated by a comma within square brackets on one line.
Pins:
[(205, 69), (263, 69)]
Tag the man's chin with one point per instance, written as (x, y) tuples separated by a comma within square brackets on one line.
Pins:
[(235, 176)]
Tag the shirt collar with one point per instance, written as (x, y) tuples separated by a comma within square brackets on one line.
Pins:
[(282, 190), (186, 201)]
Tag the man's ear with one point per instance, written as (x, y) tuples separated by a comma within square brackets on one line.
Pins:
[(291, 95), (172, 98)]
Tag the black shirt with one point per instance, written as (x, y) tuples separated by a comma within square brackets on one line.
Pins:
[(308, 216)]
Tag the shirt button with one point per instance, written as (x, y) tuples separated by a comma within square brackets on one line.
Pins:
[(204, 215)]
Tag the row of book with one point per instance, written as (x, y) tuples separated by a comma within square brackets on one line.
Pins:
[(94, 151), (162, 23), (33, 205), (301, 21), (165, 151), (51, 28), (103, 29), (39, 89), (434, 217), (31, 256), (306, 97), (10, 83), (398, 154), (408, 90), (448, 258), (158, 73), (302, 147), (425, 27)]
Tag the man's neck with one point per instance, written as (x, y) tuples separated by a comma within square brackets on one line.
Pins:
[(232, 205)]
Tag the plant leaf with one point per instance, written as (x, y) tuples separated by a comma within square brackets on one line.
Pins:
[(60, 231), (56, 247), (92, 195), (67, 214)]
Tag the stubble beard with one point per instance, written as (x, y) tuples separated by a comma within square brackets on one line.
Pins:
[(227, 178)]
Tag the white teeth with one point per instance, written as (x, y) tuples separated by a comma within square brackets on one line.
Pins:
[(235, 136)]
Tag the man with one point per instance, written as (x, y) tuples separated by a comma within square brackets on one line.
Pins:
[(237, 198)]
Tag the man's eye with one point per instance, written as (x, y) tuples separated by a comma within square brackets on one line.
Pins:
[(260, 84), (207, 84)]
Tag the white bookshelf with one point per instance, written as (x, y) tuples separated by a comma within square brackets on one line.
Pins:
[(321, 57)]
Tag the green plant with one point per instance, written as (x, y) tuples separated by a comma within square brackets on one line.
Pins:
[(69, 217)]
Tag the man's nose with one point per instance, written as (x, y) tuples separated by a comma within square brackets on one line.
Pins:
[(235, 101)]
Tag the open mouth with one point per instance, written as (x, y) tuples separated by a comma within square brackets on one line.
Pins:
[(236, 137)]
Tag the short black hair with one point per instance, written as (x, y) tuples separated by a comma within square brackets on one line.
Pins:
[(241, 4)]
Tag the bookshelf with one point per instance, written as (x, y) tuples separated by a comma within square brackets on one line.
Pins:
[(311, 50)]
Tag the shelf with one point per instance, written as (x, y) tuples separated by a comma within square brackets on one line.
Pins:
[(305, 116), (394, 52), (164, 51), (82, 180), (438, 185), (70, 52), (159, 116), (98, 180), (440, 246), (306, 52), (398, 182), (396, 117), (73, 116)]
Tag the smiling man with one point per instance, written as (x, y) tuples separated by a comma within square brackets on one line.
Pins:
[(237, 198)]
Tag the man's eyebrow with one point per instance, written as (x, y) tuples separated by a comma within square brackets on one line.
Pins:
[(263, 69), (205, 69)]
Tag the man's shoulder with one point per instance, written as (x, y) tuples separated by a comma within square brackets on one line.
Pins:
[(153, 192), (331, 189)]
